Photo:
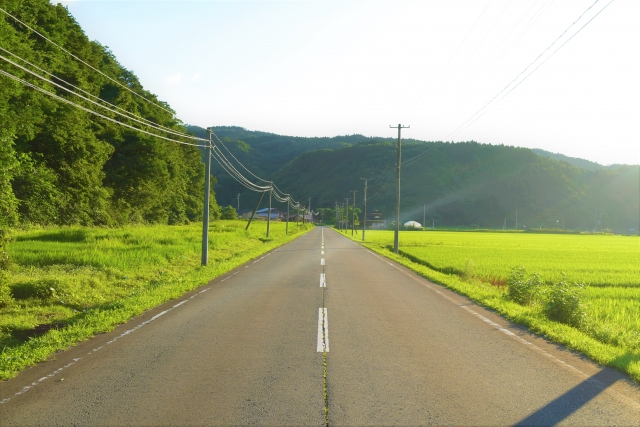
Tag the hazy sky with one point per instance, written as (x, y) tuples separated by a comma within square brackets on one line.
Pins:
[(326, 68)]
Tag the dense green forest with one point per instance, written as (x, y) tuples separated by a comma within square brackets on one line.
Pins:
[(62, 165), (459, 184)]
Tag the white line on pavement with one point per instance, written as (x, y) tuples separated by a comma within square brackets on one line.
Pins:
[(323, 281), (521, 340), (323, 331), (321, 261)]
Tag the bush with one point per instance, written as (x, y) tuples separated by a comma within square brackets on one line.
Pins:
[(469, 270), (522, 289), (564, 304), (229, 213)]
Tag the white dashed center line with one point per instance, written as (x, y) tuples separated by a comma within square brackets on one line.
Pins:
[(323, 331)]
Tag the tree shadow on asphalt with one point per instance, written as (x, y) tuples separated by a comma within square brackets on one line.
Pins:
[(565, 405)]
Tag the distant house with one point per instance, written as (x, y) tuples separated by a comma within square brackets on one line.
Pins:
[(245, 213), (299, 218), (263, 214), (375, 219)]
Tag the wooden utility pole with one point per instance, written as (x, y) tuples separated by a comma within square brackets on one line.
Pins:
[(346, 225), (353, 214), (399, 154), (205, 213), (364, 221), (287, 226), (269, 214), (254, 211)]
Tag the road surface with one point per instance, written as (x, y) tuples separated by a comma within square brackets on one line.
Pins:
[(320, 330)]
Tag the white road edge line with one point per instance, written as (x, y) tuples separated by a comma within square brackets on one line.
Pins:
[(529, 344), (76, 360)]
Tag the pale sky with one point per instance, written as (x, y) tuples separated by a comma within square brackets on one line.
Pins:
[(326, 68)]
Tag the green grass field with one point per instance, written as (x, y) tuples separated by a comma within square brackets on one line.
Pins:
[(67, 284), (478, 265)]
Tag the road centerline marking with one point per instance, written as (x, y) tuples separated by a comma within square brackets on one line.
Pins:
[(323, 332), (321, 261), (323, 280)]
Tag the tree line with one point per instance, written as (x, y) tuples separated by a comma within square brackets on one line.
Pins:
[(61, 165)]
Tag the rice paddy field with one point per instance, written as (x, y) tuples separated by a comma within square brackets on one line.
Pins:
[(67, 284), (479, 263)]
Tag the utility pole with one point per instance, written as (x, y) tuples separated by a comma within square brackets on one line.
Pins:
[(347, 216), (311, 213), (269, 214), (364, 222), (424, 215), (353, 214), (399, 154), (287, 226), (516, 219), (205, 213), (238, 204), (337, 223), (254, 212)]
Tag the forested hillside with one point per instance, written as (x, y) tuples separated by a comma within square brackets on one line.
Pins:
[(471, 184), (461, 184), (62, 165)]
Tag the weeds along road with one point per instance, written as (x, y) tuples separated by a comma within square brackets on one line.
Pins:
[(250, 348)]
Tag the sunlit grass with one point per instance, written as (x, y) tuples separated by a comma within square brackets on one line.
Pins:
[(86, 280)]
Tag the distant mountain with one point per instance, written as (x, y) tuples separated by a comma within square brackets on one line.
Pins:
[(581, 163), (460, 184), (471, 184)]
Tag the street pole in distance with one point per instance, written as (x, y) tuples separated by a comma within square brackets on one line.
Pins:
[(398, 164)]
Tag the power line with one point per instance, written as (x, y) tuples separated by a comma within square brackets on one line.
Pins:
[(215, 151), (532, 21), (129, 114), (145, 122), (462, 126), (53, 95), (85, 63), (546, 59), (457, 49), (234, 157), (486, 34)]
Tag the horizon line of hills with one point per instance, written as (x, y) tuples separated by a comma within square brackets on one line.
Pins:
[(60, 165), (457, 184)]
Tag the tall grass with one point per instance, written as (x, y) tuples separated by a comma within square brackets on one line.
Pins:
[(67, 284)]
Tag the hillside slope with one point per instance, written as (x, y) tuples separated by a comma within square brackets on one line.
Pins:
[(471, 184)]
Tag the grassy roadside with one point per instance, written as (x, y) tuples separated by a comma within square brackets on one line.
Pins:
[(487, 295), (68, 284)]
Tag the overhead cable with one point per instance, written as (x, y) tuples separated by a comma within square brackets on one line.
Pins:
[(234, 157), (85, 63), (53, 95), (134, 118), (124, 111), (473, 118)]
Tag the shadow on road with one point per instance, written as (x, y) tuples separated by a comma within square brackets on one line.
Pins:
[(562, 407)]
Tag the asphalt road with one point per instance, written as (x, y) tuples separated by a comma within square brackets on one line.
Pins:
[(249, 349)]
